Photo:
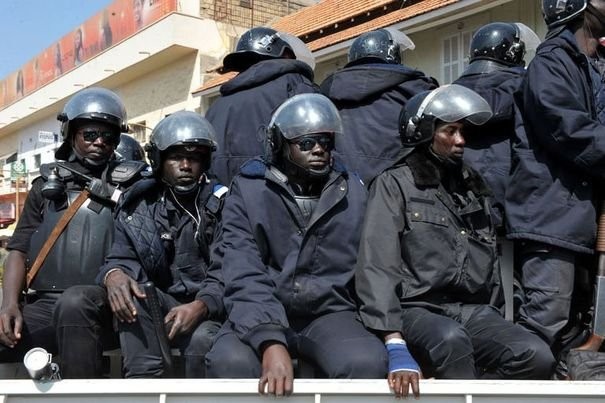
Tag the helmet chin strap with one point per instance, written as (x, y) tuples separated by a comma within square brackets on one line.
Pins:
[(300, 172), (88, 162), (186, 190), (183, 190), (447, 162)]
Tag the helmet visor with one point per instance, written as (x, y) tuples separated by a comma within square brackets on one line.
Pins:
[(301, 51), (453, 103), (183, 128), (306, 114), (529, 38)]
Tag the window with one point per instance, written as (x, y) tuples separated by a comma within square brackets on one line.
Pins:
[(455, 55), (37, 161)]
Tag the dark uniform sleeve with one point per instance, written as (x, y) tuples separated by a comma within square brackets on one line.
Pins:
[(213, 287), (30, 218), (558, 116), (379, 264), (123, 256), (254, 310)]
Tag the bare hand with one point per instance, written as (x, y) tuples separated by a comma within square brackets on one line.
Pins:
[(278, 376), (185, 317), (120, 290), (402, 381), (11, 323)]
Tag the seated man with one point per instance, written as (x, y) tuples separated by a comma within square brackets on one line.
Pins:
[(427, 260), (91, 122), (163, 232), (291, 227)]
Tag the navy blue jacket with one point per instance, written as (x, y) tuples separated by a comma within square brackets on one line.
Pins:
[(276, 268), (370, 98), (155, 241), (559, 154), (244, 109), (487, 148)]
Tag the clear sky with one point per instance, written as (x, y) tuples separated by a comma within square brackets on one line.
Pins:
[(29, 26)]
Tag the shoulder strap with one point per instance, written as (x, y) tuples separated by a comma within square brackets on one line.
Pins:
[(214, 203), (55, 233)]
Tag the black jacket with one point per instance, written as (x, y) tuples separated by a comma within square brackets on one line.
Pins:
[(278, 269), (559, 154), (370, 98), (244, 109), (156, 241), (419, 248), (487, 148)]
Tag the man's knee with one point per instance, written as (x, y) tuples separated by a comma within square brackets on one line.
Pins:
[(452, 341), (201, 340), (371, 362), (228, 359), (74, 303), (450, 353), (534, 360)]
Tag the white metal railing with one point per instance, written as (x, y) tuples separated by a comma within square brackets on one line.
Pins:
[(305, 391)]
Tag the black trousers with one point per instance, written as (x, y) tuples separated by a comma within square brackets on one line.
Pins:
[(474, 341), (558, 293), (336, 344), (141, 349), (38, 330), (83, 321)]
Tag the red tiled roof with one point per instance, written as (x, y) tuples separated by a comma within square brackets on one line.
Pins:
[(379, 22), (217, 80), (328, 12), (325, 13)]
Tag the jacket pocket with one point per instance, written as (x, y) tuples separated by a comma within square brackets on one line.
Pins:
[(416, 213)]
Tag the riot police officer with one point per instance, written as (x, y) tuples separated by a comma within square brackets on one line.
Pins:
[(164, 231), (495, 72), (558, 167), (271, 69), (91, 123), (289, 243), (369, 93), (427, 263)]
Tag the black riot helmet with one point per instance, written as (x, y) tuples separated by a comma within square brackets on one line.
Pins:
[(94, 103), (448, 103), (559, 12), (180, 128), (129, 149), (256, 44), (301, 115), (499, 45), (380, 46)]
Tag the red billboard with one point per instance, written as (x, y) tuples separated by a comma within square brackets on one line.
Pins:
[(118, 21)]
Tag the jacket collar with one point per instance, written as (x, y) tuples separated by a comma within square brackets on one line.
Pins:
[(426, 173), (263, 72)]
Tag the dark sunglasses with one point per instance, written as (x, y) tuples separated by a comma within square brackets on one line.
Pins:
[(91, 135), (308, 143)]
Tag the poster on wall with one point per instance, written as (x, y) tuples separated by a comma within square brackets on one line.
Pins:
[(118, 21)]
